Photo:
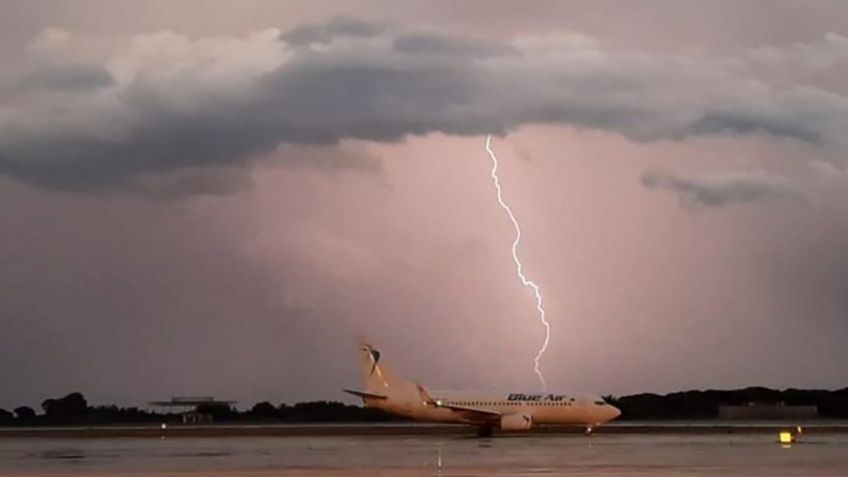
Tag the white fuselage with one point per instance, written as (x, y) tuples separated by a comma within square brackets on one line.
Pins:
[(541, 408)]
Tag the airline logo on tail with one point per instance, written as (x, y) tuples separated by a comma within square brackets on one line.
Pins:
[(375, 357)]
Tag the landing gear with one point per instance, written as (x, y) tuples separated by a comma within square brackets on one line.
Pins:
[(484, 431)]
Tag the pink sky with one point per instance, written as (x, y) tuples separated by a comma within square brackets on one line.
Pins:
[(668, 258)]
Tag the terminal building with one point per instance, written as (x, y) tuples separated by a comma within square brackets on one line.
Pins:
[(192, 409)]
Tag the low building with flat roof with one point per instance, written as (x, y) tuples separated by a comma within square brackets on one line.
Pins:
[(767, 411), (188, 407)]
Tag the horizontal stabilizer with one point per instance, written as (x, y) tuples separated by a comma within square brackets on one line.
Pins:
[(364, 395)]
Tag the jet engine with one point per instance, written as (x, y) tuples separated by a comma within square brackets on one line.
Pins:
[(516, 422)]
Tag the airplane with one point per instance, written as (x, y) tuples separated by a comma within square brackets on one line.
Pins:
[(511, 412)]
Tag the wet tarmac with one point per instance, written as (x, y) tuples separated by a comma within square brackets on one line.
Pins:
[(668, 454)]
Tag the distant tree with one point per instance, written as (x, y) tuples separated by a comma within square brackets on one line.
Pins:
[(264, 410), (218, 411), (705, 404), (73, 405), (113, 414), (24, 413), (757, 395), (5, 416), (332, 411)]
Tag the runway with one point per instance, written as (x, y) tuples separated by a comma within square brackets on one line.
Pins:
[(819, 426), (751, 454)]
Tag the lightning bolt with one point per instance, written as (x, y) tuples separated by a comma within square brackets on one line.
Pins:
[(519, 268)]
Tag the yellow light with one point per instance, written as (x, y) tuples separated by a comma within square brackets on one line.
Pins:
[(786, 437)]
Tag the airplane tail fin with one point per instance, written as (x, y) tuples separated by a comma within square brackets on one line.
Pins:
[(380, 379), (383, 387), (377, 377)]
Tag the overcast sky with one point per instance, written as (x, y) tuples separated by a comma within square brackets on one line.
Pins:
[(216, 198)]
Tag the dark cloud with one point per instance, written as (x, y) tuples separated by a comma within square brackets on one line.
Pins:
[(70, 77), (341, 26), (440, 44), (744, 123), (719, 190), (192, 181), (220, 102)]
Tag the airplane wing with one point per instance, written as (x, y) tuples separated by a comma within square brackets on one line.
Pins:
[(473, 414), (364, 395)]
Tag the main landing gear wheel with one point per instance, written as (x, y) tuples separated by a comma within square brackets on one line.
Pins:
[(484, 431)]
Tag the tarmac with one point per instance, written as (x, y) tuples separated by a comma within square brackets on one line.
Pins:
[(407, 429)]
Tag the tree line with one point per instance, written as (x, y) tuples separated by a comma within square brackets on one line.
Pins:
[(705, 404), (74, 408)]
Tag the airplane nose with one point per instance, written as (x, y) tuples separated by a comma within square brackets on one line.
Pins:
[(614, 412)]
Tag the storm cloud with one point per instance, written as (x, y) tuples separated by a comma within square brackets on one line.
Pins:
[(723, 189), (69, 77), (162, 102), (338, 27)]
